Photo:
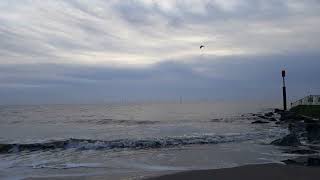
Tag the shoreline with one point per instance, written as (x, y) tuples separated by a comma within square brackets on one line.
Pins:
[(302, 121), (248, 172)]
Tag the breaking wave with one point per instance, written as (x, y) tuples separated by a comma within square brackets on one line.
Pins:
[(115, 121), (89, 144)]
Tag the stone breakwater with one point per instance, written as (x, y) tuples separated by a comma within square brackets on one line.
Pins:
[(304, 137)]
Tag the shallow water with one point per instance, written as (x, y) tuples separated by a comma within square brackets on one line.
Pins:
[(131, 140)]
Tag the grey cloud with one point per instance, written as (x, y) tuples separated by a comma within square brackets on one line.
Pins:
[(137, 11), (63, 50), (57, 28), (237, 77)]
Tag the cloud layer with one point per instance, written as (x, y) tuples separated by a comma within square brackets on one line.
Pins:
[(51, 48)]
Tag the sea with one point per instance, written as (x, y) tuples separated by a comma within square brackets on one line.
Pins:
[(133, 140)]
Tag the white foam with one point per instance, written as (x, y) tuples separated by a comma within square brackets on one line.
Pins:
[(69, 166)]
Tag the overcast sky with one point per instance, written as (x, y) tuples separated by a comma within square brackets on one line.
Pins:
[(86, 51)]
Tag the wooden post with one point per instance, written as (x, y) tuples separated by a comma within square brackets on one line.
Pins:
[(284, 90)]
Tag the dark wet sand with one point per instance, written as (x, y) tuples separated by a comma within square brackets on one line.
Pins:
[(250, 172)]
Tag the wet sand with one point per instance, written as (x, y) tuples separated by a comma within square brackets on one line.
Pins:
[(249, 172)]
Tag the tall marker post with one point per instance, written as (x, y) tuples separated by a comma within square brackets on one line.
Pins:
[(284, 90)]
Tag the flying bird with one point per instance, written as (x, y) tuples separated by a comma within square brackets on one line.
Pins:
[(202, 46)]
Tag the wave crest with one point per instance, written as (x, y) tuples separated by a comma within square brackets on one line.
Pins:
[(89, 144)]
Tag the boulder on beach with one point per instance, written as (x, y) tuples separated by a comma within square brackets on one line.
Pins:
[(311, 121), (4, 148), (278, 111), (262, 117), (279, 122), (272, 119), (260, 122), (313, 132), (269, 114), (290, 117), (313, 161), (302, 151), (216, 120), (297, 128), (289, 140)]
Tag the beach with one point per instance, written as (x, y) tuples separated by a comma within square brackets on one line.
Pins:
[(249, 172)]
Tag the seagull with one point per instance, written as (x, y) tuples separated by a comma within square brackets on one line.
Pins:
[(202, 46)]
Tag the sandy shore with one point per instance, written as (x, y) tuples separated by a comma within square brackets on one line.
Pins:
[(254, 172)]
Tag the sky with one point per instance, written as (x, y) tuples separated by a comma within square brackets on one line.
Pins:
[(96, 51)]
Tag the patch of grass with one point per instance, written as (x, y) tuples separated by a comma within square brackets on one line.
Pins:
[(311, 111)]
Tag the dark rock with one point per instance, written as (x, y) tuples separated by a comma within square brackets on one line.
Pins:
[(311, 121), (289, 140), (313, 132), (269, 114), (216, 120), (302, 151), (278, 111), (290, 117), (4, 148), (272, 119), (304, 134), (259, 122), (297, 127), (314, 147), (315, 142), (262, 117), (314, 161), (298, 161)]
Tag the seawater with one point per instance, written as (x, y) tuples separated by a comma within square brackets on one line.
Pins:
[(132, 140)]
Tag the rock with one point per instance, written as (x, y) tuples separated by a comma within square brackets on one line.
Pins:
[(269, 114), (304, 161), (298, 126), (313, 132), (278, 111), (313, 161), (289, 140), (5, 148), (272, 119), (302, 151), (279, 122), (311, 121), (216, 120), (259, 122), (314, 147), (298, 161), (262, 117), (289, 116)]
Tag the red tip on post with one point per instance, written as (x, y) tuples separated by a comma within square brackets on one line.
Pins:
[(283, 73)]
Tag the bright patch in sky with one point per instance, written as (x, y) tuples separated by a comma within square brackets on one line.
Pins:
[(144, 32)]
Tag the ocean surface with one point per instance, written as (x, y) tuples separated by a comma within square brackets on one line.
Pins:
[(132, 140)]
